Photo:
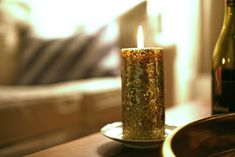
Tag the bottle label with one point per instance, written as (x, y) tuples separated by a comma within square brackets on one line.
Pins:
[(223, 90), (217, 81)]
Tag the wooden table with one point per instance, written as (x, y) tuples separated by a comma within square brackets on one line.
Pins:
[(97, 145), (94, 146)]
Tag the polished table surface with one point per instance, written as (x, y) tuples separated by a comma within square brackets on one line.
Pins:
[(96, 145)]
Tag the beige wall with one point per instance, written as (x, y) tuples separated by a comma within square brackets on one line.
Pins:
[(211, 18)]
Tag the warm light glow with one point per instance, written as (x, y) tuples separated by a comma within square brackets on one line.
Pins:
[(223, 61), (76, 15), (140, 37)]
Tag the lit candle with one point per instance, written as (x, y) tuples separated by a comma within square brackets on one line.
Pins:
[(143, 111)]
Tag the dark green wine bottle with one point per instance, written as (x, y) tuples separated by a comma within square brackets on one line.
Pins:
[(223, 65)]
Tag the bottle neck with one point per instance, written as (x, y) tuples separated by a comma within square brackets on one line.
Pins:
[(230, 12), (230, 2)]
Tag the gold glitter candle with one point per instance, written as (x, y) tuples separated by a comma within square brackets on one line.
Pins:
[(143, 110)]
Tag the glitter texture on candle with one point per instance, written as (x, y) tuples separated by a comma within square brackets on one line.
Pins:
[(143, 110)]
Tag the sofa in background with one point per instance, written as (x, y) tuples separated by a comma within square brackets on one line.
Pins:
[(57, 90), (54, 90), (33, 118)]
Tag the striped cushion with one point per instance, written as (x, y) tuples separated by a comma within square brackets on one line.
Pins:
[(77, 57)]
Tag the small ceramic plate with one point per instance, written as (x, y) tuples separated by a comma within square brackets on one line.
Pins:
[(114, 132)]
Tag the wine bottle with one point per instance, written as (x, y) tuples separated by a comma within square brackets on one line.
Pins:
[(223, 64)]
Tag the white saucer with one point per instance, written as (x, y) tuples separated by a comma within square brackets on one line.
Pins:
[(114, 132)]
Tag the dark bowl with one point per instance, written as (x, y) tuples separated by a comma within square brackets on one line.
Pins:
[(213, 136)]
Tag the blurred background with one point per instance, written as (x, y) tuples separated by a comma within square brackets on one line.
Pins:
[(187, 29), (47, 44)]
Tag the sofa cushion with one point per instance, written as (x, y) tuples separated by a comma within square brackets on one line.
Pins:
[(76, 57), (33, 118), (8, 48)]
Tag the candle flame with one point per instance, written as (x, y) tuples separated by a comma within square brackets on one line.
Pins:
[(140, 37)]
